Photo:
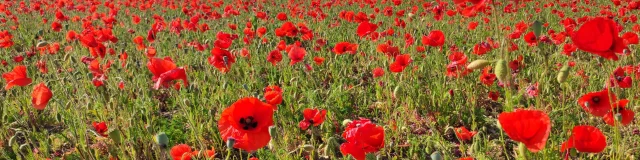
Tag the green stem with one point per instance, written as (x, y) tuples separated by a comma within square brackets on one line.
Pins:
[(522, 150), (228, 154)]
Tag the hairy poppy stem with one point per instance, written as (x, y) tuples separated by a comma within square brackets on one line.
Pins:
[(228, 154), (522, 150)]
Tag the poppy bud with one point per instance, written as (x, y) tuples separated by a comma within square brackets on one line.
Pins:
[(436, 155), (346, 122), (24, 147), (308, 148), (501, 70), (162, 140), (573, 152), (42, 44), (273, 132), (115, 136), (478, 64), (13, 139), (230, 143), (563, 74), (395, 91)]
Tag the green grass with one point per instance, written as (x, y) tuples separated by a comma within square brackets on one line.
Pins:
[(414, 106)]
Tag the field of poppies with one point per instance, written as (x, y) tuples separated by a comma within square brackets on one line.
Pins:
[(319, 79)]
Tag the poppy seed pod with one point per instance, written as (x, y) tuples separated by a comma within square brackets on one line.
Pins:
[(501, 70), (346, 122), (436, 155), (308, 148), (230, 143), (563, 74), (478, 64), (162, 140)]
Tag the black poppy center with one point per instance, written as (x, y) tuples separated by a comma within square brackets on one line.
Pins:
[(225, 59), (248, 123), (595, 99), (617, 110), (619, 78)]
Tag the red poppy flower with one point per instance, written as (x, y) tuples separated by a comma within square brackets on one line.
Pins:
[(619, 110), (287, 29), (281, 16), (599, 36), (318, 60), (569, 48), (223, 40), (71, 36), (463, 134), (274, 57), (487, 78), (457, 65), (482, 48), (630, 38), (597, 103), (182, 152), (42, 66), (494, 95), (210, 154), (313, 117), (17, 77), (40, 96), (247, 121), (472, 25), (531, 39), (60, 16), (388, 50), (585, 139), (366, 28), (100, 128), (620, 79), (139, 41), (435, 39), (5, 39), (56, 26), (135, 19), (165, 71), (221, 59), (296, 54), (273, 95), (532, 90), (401, 62), (530, 127), (362, 137), (378, 72), (345, 47)]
